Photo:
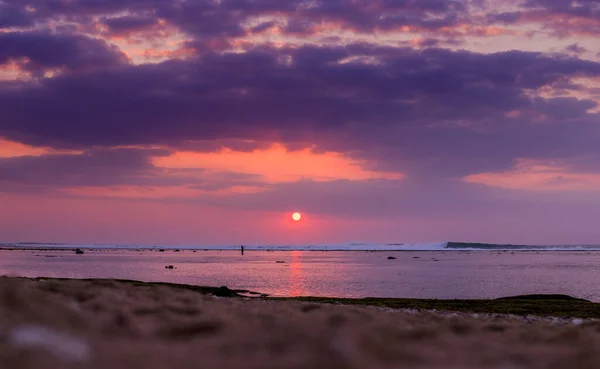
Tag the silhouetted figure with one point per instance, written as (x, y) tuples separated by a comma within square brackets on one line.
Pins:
[(242, 249)]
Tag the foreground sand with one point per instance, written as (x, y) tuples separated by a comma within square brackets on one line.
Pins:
[(108, 324)]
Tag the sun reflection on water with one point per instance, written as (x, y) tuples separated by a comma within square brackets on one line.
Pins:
[(296, 275)]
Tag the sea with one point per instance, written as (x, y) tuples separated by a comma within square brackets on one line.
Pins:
[(440, 270)]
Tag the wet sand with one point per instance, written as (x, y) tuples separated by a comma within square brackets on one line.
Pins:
[(108, 324)]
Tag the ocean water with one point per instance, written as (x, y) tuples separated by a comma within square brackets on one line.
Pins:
[(352, 246), (431, 273)]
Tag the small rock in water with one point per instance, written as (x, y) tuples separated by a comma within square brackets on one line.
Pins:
[(391, 258), (79, 251), (169, 267), (177, 250), (280, 261), (161, 250), (416, 257), (62, 345)]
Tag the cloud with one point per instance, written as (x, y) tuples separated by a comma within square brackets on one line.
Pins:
[(565, 18), (576, 49), (504, 17), (415, 110), (283, 165), (38, 51), (536, 175), (12, 15), (124, 24), (580, 8), (91, 168), (214, 19), (116, 173)]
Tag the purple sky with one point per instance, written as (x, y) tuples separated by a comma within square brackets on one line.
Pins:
[(210, 122)]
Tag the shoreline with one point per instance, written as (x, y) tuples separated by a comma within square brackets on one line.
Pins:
[(539, 305)]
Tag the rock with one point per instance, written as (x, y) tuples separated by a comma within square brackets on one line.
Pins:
[(391, 258), (224, 291), (416, 257), (169, 267), (177, 250), (79, 252), (161, 250), (280, 261)]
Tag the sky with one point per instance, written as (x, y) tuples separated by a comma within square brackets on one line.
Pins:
[(211, 121)]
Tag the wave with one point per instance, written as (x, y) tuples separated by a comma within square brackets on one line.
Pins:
[(509, 247), (353, 246)]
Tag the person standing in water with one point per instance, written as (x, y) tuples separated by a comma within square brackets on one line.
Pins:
[(242, 249)]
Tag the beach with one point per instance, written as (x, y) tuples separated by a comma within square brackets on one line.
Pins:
[(67, 323)]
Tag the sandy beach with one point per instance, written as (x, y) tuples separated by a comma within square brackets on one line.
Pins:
[(111, 324)]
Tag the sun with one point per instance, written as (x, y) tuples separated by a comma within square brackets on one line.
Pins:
[(296, 216)]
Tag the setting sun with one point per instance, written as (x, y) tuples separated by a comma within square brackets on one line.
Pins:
[(296, 216)]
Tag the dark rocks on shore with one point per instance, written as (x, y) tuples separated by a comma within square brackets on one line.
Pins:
[(391, 258), (79, 251), (280, 261), (224, 291), (168, 266), (177, 250), (416, 257), (161, 250)]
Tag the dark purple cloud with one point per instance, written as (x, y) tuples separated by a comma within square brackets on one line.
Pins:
[(207, 18), (562, 18), (125, 24), (566, 18), (579, 8), (44, 9), (12, 15), (217, 20), (110, 167), (45, 50), (92, 168), (430, 111), (435, 109), (576, 49), (367, 16), (505, 17)]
